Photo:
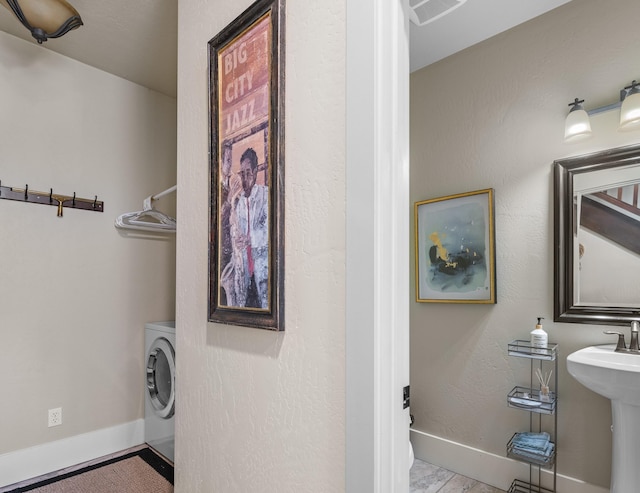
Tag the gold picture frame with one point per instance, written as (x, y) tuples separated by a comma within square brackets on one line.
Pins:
[(455, 248)]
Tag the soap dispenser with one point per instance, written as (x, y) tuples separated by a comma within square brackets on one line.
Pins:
[(539, 338)]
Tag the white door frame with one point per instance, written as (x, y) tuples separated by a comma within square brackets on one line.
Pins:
[(378, 217)]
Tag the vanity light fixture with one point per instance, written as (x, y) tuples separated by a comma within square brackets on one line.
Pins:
[(45, 18), (578, 125), (630, 109)]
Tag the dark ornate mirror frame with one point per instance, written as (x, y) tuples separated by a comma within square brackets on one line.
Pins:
[(565, 170)]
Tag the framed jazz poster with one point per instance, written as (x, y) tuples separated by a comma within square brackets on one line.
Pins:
[(246, 231), (455, 249)]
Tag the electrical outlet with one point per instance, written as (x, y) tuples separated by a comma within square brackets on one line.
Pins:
[(55, 417)]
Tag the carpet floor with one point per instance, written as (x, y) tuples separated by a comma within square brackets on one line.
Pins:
[(141, 471)]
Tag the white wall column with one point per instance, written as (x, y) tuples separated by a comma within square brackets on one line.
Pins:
[(378, 213)]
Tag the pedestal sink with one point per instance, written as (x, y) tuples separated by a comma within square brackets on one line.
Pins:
[(616, 376)]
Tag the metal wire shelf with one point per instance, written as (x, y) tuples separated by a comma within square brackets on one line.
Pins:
[(524, 349), (529, 399), (530, 457), (524, 487)]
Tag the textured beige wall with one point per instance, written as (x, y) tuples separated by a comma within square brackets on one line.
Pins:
[(75, 295), (258, 410), (493, 116)]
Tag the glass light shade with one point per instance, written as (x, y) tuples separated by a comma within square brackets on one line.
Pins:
[(45, 18), (577, 124), (630, 110)]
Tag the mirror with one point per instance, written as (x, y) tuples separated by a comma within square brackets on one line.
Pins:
[(597, 237)]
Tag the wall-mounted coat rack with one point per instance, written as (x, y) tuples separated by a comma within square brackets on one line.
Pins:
[(55, 199)]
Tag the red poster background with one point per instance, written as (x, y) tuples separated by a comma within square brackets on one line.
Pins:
[(244, 80)]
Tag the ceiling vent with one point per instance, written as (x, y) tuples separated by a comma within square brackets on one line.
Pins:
[(426, 11)]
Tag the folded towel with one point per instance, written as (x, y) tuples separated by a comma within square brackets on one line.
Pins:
[(540, 457), (534, 442)]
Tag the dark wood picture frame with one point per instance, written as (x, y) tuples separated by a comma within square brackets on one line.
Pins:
[(246, 118)]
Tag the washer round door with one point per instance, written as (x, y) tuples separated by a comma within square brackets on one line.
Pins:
[(161, 370)]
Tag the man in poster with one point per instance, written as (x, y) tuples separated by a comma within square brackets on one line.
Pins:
[(230, 187), (250, 237)]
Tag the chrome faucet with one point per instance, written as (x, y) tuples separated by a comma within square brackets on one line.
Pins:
[(621, 347), (635, 325)]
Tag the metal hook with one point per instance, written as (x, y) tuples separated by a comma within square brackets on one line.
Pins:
[(74, 199), (94, 201), (26, 192), (50, 195)]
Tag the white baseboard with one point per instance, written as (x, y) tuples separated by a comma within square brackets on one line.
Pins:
[(485, 467), (42, 459)]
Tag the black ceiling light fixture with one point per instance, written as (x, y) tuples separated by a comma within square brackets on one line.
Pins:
[(45, 18)]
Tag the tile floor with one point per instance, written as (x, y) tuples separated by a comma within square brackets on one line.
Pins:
[(427, 478)]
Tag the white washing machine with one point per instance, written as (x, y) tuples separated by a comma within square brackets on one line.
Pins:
[(159, 385)]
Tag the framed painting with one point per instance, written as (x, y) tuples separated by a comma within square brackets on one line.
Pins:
[(455, 249), (246, 116)]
